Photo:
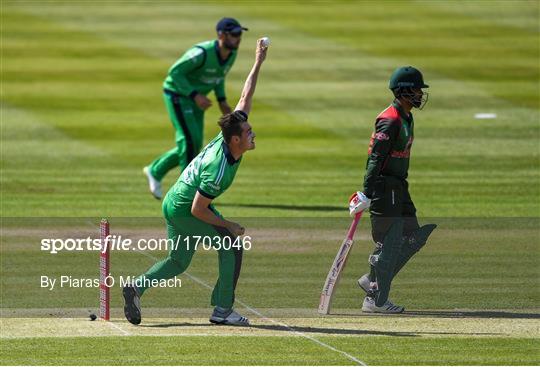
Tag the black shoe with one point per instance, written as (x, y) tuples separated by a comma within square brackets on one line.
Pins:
[(132, 307)]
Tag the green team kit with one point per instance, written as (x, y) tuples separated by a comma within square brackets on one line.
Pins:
[(187, 206), (199, 71), (210, 173)]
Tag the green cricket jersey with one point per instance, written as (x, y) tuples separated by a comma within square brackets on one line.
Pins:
[(390, 146), (200, 70), (210, 173)]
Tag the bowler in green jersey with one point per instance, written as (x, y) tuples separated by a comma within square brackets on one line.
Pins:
[(199, 71), (189, 212)]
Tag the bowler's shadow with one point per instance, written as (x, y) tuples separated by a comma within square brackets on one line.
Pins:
[(318, 330)]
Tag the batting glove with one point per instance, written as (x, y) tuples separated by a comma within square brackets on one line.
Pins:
[(358, 202)]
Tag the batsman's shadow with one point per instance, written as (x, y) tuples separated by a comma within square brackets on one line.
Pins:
[(319, 330), (457, 314)]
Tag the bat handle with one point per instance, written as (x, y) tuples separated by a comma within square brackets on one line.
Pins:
[(354, 224)]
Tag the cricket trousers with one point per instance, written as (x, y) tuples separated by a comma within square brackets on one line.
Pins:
[(184, 229), (188, 122), (393, 216)]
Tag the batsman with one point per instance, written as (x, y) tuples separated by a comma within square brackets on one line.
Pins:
[(395, 229), (199, 71)]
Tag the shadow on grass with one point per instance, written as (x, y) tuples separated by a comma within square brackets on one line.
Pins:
[(318, 330), (457, 314), (476, 314), (317, 208)]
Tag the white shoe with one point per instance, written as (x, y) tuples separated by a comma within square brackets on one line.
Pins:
[(153, 184), (228, 318), (388, 307)]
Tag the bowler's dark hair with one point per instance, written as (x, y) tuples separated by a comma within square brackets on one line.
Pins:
[(231, 124)]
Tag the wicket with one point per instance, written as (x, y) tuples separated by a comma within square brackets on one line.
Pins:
[(104, 271)]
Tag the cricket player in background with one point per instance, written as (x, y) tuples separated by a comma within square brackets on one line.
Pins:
[(199, 71), (189, 211), (395, 229)]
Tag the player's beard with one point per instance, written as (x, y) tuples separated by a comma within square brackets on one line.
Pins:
[(231, 45)]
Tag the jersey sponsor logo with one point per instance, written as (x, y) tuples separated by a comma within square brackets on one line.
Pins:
[(400, 154), (214, 186), (210, 80), (381, 136), (210, 70)]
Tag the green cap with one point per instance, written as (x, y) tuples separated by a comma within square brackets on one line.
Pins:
[(407, 76)]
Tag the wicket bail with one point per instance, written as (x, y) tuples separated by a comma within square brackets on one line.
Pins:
[(104, 271)]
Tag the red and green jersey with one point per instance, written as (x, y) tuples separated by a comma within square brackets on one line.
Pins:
[(390, 146), (200, 70)]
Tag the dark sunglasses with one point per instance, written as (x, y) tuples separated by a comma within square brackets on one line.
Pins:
[(235, 34)]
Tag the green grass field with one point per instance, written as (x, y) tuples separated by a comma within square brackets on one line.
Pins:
[(82, 113)]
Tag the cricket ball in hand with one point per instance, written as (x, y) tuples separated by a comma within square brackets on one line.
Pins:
[(266, 41), (93, 317)]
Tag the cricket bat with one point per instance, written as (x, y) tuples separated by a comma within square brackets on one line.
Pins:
[(337, 268)]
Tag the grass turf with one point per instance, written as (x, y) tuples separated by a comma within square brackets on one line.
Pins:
[(230, 350), (467, 264), (82, 113)]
